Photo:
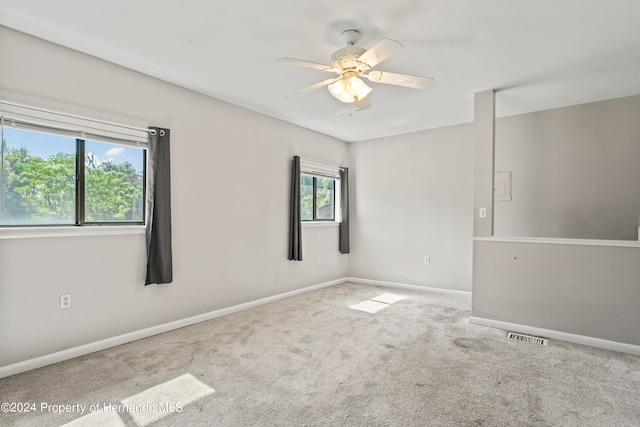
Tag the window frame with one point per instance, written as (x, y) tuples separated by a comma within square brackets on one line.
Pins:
[(82, 129), (314, 212), (81, 189)]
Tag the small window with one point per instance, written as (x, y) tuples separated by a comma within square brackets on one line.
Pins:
[(50, 179), (317, 198)]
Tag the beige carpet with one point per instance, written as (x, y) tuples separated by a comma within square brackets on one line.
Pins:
[(313, 360)]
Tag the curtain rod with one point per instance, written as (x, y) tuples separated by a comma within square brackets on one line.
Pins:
[(73, 116), (321, 165)]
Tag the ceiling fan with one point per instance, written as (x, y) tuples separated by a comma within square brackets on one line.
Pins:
[(353, 62)]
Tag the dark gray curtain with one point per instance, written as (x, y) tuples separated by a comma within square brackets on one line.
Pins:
[(159, 253), (295, 219), (344, 203)]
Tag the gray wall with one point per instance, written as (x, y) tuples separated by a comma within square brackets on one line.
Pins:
[(230, 188), (592, 291), (412, 197), (588, 290), (575, 171)]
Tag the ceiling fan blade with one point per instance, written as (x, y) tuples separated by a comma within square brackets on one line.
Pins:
[(362, 104), (378, 53), (406, 80), (308, 64), (315, 86)]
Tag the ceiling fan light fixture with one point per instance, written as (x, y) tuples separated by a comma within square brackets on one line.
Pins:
[(339, 90), (356, 87), (349, 89)]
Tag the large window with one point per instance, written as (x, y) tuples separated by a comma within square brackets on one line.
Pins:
[(54, 179), (317, 198)]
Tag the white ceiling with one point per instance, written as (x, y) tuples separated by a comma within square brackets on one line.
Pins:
[(538, 54)]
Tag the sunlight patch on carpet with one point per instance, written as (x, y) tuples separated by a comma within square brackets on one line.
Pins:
[(388, 298), (375, 304), (369, 306), (164, 399), (98, 419)]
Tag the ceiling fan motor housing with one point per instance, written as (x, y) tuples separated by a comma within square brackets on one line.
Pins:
[(347, 57)]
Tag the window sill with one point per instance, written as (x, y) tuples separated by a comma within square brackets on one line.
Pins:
[(320, 224), (71, 231)]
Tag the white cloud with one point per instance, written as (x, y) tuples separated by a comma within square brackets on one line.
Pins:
[(115, 151)]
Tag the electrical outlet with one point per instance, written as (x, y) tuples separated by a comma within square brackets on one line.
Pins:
[(427, 260), (318, 258), (65, 301)]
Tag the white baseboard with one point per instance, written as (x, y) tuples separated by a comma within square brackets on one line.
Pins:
[(557, 335), (38, 362), (405, 286)]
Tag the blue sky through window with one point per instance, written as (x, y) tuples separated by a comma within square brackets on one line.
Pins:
[(44, 145)]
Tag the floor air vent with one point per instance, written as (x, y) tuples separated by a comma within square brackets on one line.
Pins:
[(526, 338)]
